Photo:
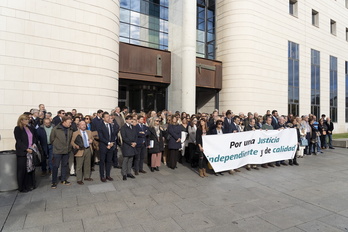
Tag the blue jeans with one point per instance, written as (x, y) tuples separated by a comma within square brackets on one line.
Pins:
[(330, 139), (57, 159), (318, 144)]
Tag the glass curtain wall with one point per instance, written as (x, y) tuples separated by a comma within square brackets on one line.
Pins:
[(315, 82), (145, 23), (293, 78), (346, 74), (205, 46), (333, 88)]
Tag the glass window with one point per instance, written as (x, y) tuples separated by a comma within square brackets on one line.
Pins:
[(124, 30), (125, 15), (135, 18), (293, 78), (333, 88), (125, 4), (346, 74), (333, 27), (315, 82), (315, 18), (206, 29), (144, 22), (135, 5), (293, 7)]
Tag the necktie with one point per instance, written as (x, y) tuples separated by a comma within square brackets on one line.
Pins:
[(85, 142), (109, 129)]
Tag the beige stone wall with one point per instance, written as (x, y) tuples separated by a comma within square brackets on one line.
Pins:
[(252, 42), (60, 53)]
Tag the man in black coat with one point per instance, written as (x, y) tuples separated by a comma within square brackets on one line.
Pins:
[(97, 121), (330, 128), (116, 129), (129, 137), (275, 122), (228, 122), (107, 145), (142, 134), (43, 134), (58, 118)]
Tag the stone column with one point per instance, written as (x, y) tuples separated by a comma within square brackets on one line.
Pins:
[(182, 44)]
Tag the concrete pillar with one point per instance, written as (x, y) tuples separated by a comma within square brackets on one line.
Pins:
[(182, 44)]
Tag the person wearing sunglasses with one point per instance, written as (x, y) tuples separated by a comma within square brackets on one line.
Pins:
[(58, 118)]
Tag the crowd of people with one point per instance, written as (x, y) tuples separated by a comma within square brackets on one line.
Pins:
[(71, 144)]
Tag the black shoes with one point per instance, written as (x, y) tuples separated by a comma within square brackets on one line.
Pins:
[(130, 176), (157, 169), (152, 169), (124, 177)]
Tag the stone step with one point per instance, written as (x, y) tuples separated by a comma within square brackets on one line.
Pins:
[(340, 143)]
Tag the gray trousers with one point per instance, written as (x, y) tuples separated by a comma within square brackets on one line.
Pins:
[(83, 162), (127, 165)]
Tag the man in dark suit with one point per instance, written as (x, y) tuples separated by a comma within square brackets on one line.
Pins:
[(44, 133), (142, 134), (275, 122), (235, 125), (129, 137), (106, 147), (228, 122), (97, 121), (58, 119), (116, 129)]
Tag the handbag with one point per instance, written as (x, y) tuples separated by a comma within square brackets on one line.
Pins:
[(36, 159), (79, 142), (304, 141)]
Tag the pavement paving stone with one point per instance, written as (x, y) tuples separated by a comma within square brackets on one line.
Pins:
[(193, 221), (309, 197), (60, 203), (43, 218), (71, 226), (110, 207), (166, 224), (91, 198), (134, 217), (165, 197), (256, 224), (164, 211), (336, 220), (101, 223), (142, 202), (318, 226), (79, 212), (101, 188), (191, 205)]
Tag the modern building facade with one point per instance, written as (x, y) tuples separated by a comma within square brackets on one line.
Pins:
[(191, 56)]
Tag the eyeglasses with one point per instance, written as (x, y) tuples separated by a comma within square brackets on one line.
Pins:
[(156, 120), (62, 113)]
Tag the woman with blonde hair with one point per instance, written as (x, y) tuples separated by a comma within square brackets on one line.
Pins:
[(156, 146), (25, 138)]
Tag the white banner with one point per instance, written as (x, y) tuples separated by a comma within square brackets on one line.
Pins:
[(231, 151)]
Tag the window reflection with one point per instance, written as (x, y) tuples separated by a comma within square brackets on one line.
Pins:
[(145, 23), (205, 29)]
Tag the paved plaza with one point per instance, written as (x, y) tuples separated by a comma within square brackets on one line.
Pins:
[(310, 197)]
